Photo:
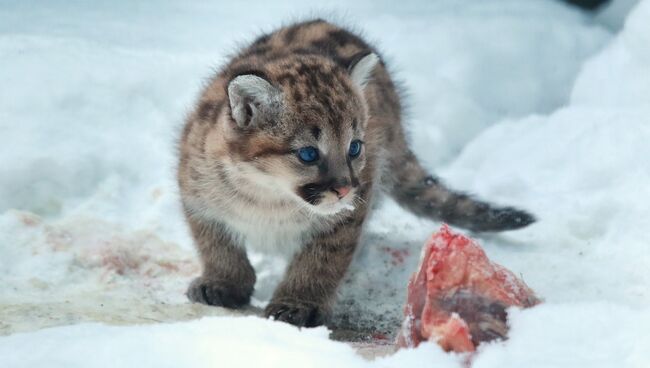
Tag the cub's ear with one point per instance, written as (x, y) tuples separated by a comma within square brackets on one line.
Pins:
[(361, 70), (253, 101)]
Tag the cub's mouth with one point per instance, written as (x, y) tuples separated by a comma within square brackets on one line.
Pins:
[(312, 193), (331, 196)]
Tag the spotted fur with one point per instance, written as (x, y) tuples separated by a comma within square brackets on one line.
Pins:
[(243, 185)]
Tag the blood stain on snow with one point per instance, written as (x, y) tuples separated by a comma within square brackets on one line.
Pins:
[(397, 255)]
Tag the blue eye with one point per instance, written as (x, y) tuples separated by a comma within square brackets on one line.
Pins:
[(355, 149), (308, 154)]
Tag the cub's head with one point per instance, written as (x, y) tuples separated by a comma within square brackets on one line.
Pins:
[(297, 128)]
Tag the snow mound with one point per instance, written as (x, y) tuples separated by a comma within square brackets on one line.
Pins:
[(208, 342), (595, 334)]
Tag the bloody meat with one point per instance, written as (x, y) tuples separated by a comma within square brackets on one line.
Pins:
[(458, 297)]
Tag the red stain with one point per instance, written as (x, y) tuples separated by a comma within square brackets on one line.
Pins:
[(397, 255), (454, 265)]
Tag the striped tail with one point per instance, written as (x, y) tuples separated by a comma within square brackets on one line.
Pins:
[(427, 196)]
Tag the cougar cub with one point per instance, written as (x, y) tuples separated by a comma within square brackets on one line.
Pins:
[(283, 152)]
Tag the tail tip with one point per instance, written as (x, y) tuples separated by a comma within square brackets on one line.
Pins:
[(511, 218)]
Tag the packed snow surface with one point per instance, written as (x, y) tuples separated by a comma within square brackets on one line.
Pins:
[(527, 103)]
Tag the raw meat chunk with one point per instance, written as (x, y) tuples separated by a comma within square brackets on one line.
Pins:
[(458, 297)]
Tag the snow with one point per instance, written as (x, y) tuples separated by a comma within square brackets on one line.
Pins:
[(191, 344), (527, 103), (599, 335)]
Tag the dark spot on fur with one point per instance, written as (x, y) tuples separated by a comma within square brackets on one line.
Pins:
[(290, 34), (390, 135), (297, 95), (315, 131), (327, 47), (205, 110), (323, 167), (343, 37), (327, 78), (316, 110), (312, 75), (262, 40), (287, 78), (354, 180), (312, 193)]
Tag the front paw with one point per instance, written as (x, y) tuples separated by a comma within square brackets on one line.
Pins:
[(296, 313), (218, 293)]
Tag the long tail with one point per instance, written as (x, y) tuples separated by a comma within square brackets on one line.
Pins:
[(426, 196)]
